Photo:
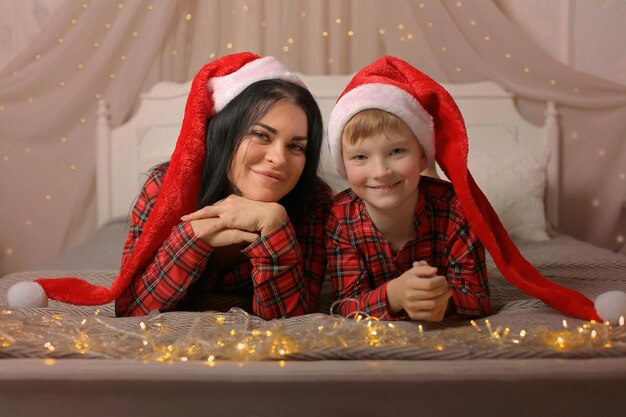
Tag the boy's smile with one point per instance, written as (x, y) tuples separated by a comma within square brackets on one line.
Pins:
[(386, 187)]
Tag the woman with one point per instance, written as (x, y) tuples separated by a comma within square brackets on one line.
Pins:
[(238, 210)]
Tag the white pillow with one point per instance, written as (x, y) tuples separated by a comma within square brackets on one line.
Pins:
[(513, 177)]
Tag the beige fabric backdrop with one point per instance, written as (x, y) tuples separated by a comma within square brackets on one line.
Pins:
[(115, 50)]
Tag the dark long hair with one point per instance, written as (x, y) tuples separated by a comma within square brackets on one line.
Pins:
[(226, 130)]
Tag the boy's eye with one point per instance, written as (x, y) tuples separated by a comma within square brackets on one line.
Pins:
[(359, 157), (398, 151)]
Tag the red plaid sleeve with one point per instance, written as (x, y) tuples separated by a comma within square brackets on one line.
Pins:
[(179, 262), (466, 270), (353, 288), (288, 269)]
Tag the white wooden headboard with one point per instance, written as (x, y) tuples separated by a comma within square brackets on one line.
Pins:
[(125, 153)]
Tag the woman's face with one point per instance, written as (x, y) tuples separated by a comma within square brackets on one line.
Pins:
[(271, 157)]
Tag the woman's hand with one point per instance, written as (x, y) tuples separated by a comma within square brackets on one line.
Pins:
[(422, 293), (236, 212), (213, 232)]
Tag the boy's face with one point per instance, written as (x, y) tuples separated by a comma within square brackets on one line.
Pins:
[(384, 169)]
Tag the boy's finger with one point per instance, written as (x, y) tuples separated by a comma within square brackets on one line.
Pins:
[(424, 271), (426, 283)]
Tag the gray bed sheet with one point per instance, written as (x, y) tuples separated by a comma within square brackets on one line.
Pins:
[(102, 251), (338, 380), (565, 260)]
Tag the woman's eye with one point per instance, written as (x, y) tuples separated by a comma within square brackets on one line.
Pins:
[(259, 134), (298, 147), (398, 151)]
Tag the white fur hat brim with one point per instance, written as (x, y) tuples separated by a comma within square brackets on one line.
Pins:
[(229, 86), (384, 97)]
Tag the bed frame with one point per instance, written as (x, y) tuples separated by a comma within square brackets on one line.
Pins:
[(343, 380), (125, 153)]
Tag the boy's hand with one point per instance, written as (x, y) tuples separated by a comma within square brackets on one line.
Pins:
[(420, 292)]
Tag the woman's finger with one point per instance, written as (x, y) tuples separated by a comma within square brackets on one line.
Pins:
[(203, 213)]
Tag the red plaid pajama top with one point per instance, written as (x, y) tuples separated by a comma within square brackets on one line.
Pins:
[(281, 272), (361, 263)]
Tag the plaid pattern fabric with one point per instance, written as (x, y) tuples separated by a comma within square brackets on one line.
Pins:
[(361, 263), (281, 272)]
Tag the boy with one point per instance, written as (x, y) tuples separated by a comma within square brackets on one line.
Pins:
[(402, 224), (405, 246)]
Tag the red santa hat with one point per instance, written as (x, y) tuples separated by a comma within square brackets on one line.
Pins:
[(395, 86), (215, 85)]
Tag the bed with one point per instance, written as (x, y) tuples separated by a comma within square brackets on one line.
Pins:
[(524, 359)]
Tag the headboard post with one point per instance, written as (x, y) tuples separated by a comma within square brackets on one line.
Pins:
[(103, 162), (553, 174)]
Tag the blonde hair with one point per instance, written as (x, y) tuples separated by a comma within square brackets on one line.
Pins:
[(371, 122)]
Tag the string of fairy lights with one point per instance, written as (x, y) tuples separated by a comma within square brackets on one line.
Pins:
[(213, 336), (238, 336)]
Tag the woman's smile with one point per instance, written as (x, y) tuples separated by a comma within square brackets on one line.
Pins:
[(271, 176)]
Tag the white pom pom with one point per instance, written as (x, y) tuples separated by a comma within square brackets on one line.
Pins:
[(27, 294), (611, 305)]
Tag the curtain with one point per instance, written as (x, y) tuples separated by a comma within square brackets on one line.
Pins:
[(115, 50)]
